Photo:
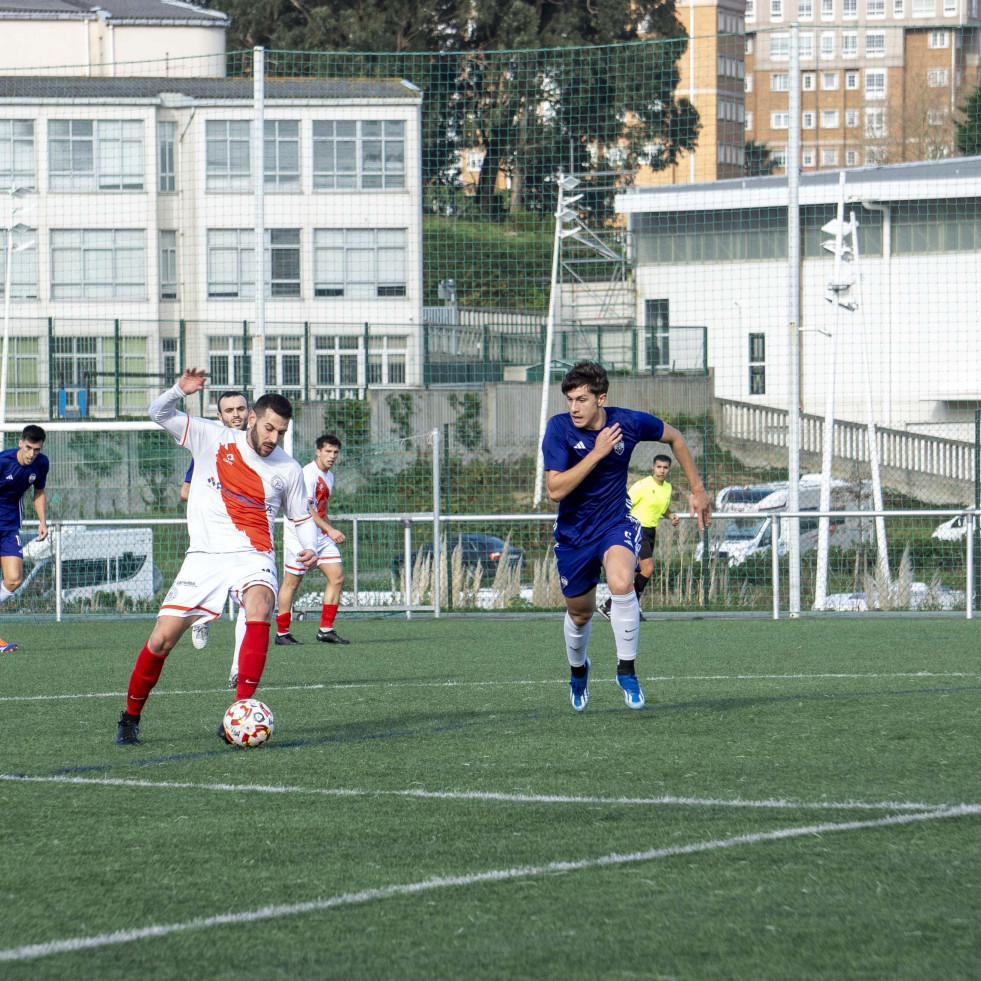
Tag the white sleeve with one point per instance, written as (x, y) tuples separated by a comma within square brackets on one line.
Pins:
[(297, 510), (163, 411)]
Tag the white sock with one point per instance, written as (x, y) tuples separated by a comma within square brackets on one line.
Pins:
[(576, 641), (239, 637), (5, 593), (625, 619)]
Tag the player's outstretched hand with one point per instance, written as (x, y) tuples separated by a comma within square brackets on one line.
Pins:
[(700, 507), (192, 380), (308, 558)]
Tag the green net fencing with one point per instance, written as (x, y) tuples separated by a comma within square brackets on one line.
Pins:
[(442, 230)]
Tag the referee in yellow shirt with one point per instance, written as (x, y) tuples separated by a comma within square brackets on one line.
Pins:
[(650, 499)]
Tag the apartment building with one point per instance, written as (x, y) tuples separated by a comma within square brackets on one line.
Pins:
[(881, 80)]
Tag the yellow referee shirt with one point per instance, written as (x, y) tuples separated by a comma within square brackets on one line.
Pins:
[(649, 502)]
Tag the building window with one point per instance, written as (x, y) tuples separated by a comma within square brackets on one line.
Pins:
[(24, 389), (806, 47), (849, 46), (750, 9), (166, 158), (228, 166), (749, 120), (851, 158), (776, 9), (849, 9), (780, 47), (779, 156), (336, 363), (829, 81), (85, 155), (950, 8), (23, 268), (924, 8), (748, 83), (851, 118), (805, 9), (938, 39), (830, 119), (386, 360), (94, 363), (807, 158), (757, 364), (808, 82), (779, 83), (936, 117), (284, 366), (875, 44), (168, 265), (807, 120), (359, 263), (851, 80), (281, 153), (875, 84), (168, 360), (17, 154), (229, 365), (366, 154), (875, 8), (899, 9), (937, 78), (283, 262), (96, 264), (827, 45), (875, 123), (231, 263), (829, 157), (827, 9), (779, 120)]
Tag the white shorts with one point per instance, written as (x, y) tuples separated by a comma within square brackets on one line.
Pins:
[(206, 579), (327, 551)]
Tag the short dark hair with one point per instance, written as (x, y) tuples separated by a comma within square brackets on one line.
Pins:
[(328, 439), (34, 433), (232, 394), (587, 373), (664, 457), (273, 402)]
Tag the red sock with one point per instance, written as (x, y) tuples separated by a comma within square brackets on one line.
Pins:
[(283, 622), (252, 657), (145, 675), (327, 616)]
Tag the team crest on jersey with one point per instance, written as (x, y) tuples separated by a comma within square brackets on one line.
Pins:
[(277, 482), (32, 478), (619, 448), (230, 458)]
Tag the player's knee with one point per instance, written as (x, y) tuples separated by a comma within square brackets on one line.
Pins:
[(12, 582)]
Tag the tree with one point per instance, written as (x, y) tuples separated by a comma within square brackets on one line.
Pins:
[(759, 160), (968, 136), (536, 87)]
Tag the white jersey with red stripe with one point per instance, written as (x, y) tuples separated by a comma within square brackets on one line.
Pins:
[(318, 485), (235, 493)]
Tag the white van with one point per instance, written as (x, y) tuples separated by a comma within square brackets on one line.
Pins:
[(747, 535), (96, 560), (952, 530)]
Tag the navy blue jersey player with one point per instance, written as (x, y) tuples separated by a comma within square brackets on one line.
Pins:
[(20, 469), (587, 453)]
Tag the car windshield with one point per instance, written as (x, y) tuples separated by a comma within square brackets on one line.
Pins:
[(743, 529)]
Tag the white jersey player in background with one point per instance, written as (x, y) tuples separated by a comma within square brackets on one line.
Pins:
[(241, 481), (318, 477)]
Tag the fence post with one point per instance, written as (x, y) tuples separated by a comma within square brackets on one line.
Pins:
[(56, 535), (51, 402), (775, 563), (437, 551), (115, 337)]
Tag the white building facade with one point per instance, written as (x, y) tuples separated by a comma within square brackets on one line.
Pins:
[(715, 255), (140, 197)]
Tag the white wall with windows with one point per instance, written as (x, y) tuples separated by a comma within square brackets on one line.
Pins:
[(141, 209)]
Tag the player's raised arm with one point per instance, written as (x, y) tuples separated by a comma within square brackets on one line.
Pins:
[(699, 503), (163, 409)]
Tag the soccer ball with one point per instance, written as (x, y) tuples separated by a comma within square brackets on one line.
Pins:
[(248, 722)]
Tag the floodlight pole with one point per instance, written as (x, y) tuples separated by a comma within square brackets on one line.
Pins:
[(565, 183), (15, 192), (258, 172)]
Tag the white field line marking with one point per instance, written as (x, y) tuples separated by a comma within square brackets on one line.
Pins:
[(73, 944), (484, 684), (480, 795)]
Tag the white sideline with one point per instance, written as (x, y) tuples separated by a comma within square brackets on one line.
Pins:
[(481, 795), (72, 944), (341, 686)]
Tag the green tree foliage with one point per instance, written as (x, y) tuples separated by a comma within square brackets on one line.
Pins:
[(759, 161), (537, 87), (968, 137)]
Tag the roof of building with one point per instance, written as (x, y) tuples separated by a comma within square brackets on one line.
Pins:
[(119, 11), (957, 177), (79, 89)]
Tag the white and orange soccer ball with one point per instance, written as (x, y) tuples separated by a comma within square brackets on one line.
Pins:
[(248, 722)]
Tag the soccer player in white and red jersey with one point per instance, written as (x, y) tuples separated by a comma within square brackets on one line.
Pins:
[(318, 477), (241, 481)]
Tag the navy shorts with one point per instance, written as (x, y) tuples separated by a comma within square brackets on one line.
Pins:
[(10, 543), (579, 566)]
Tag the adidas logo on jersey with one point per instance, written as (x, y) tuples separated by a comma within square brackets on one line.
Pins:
[(579, 446)]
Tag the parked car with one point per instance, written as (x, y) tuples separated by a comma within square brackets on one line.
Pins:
[(474, 548), (952, 530)]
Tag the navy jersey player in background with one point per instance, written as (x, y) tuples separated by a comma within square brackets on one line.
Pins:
[(20, 469), (587, 453)]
